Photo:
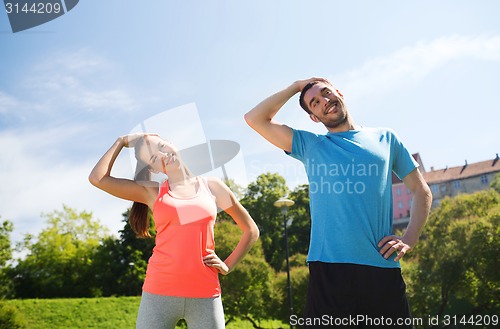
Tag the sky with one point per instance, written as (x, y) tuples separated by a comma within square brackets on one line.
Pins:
[(189, 70)]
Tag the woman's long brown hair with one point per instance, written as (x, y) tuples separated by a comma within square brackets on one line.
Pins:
[(139, 213)]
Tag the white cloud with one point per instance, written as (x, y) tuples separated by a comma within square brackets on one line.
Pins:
[(114, 99), (79, 62), (38, 177), (411, 65), (7, 102), (80, 80)]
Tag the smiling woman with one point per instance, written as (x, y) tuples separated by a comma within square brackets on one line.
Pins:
[(182, 273)]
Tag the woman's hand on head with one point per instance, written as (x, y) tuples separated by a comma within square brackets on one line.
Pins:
[(131, 139)]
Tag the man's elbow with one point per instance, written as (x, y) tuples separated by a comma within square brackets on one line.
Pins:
[(428, 192), (425, 193), (249, 119)]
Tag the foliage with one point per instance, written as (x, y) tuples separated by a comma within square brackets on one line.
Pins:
[(495, 183), (119, 265), (246, 290), (5, 248), (117, 270), (300, 228), (5, 256), (259, 199), (9, 317), (299, 279), (237, 190), (129, 239), (454, 268), (59, 260)]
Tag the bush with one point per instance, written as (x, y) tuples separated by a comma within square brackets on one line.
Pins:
[(9, 319), (299, 278)]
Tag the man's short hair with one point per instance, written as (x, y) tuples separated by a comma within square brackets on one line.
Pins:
[(302, 93)]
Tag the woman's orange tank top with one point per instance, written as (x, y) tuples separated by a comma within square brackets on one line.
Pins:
[(184, 235)]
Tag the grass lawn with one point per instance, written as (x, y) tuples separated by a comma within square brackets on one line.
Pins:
[(105, 313), (78, 312)]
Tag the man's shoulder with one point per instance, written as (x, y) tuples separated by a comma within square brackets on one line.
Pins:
[(381, 133), (305, 134)]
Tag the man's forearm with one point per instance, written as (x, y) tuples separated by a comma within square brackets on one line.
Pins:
[(267, 109), (421, 204)]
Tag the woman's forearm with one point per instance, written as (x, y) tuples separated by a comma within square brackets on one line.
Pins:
[(105, 164)]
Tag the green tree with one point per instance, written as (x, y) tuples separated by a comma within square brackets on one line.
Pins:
[(235, 188), (300, 228), (495, 183), (259, 199), (129, 239), (299, 279), (454, 268), (59, 259), (119, 266), (246, 291), (5, 256)]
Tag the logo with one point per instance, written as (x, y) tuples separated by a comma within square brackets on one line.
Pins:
[(25, 14), (182, 126)]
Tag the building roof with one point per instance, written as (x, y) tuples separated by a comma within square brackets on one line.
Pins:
[(461, 172)]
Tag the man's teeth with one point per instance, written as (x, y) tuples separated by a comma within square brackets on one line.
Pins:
[(331, 108)]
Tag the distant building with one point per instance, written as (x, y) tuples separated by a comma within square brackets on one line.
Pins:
[(468, 178)]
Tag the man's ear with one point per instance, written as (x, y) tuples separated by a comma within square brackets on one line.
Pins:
[(314, 118), (340, 94)]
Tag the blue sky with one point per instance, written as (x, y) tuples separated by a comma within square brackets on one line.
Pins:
[(68, 88)]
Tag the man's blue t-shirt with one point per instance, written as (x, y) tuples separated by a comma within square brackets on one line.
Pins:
[(350, 189)]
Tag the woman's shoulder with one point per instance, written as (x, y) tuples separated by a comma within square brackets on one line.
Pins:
[(213, 181), (216, 185)]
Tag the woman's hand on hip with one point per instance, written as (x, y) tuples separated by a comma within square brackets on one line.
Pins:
[(214, 261)]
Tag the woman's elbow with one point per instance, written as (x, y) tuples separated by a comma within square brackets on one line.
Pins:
[(254, 233), (94, 179)]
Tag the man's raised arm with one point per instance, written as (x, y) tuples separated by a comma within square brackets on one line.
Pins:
[(260, 118)]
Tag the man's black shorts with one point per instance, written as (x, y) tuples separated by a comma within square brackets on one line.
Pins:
[(339, 293)]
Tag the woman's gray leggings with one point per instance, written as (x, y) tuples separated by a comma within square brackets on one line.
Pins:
[(163, 312)]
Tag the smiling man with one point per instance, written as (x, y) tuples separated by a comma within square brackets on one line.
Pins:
[(353, 256)]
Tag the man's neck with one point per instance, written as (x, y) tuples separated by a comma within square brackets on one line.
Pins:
[(349, 124)]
